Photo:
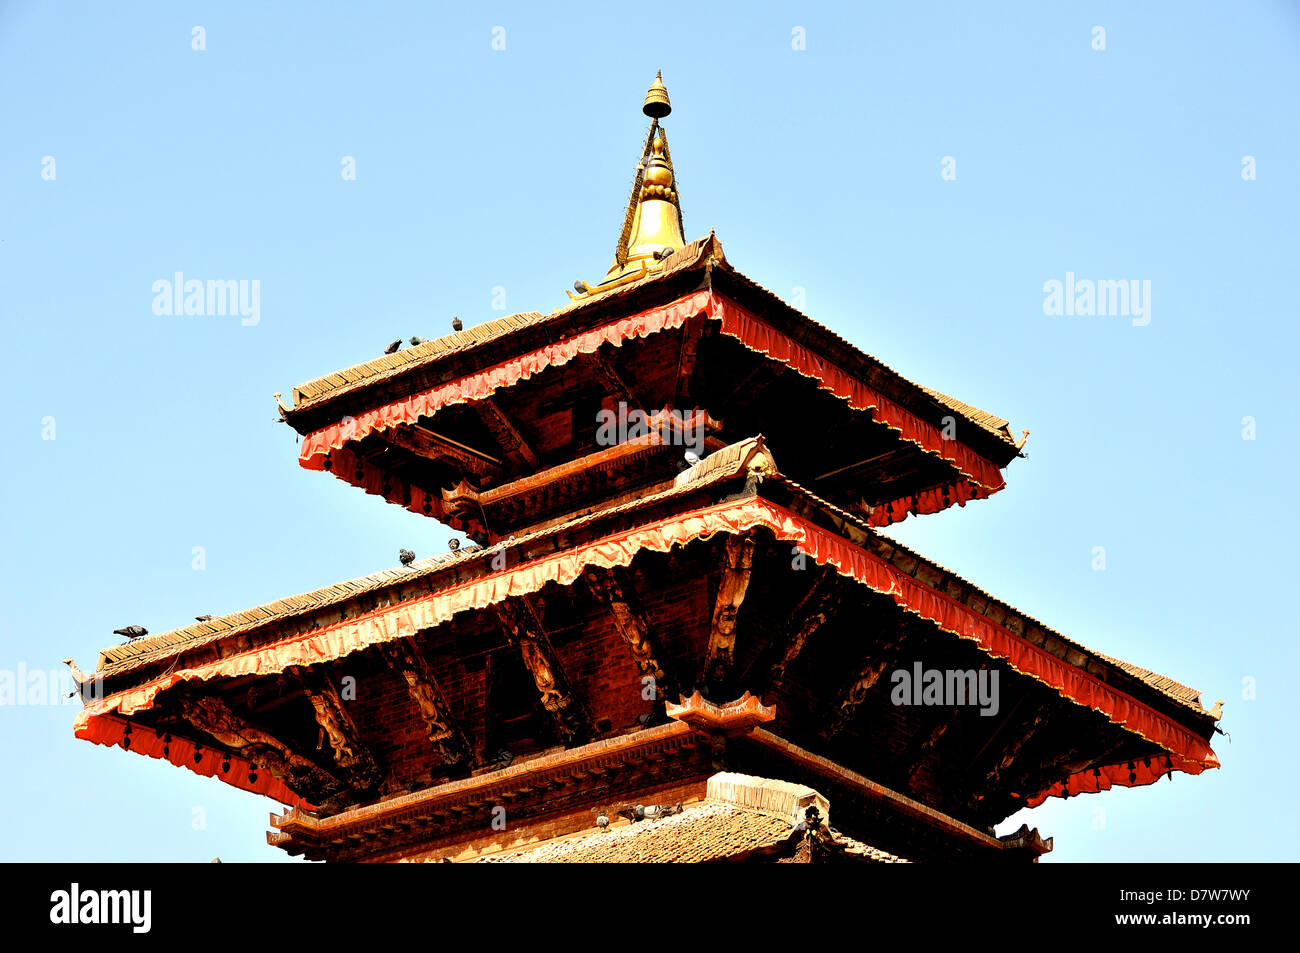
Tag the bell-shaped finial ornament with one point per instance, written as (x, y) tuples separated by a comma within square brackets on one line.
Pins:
[(656, 99)]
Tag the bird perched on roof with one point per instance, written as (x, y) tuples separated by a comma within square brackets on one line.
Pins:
[(455, 323), (416, 339), (480, 539), (581, 287), (392, 348), (1020, 444), (453, 544), (502, 758), (132, 631), (602, 820), (77, 676), (662, 254), (204, 618), (406, 556), (649, 812), (1217, 711)]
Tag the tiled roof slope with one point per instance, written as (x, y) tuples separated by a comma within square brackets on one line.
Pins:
[(726, 462), (741, 817), (695, 255)]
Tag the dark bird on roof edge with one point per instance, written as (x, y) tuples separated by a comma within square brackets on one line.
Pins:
[(204, 618), (132, 631), (456, 324), (392, 348), (416, 339), (406, 556)]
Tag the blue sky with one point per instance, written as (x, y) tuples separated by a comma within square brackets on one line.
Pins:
[(820, 169)]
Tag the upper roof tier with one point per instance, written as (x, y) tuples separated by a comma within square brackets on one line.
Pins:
[(522, 420)]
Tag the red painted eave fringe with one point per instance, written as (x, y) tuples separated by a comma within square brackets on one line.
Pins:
[(735, 321), (1187, 751), (233, 770)]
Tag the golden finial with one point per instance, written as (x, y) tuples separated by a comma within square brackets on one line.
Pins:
[(656, 99), (652, 226)]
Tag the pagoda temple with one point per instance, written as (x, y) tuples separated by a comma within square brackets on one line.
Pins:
[(678, 634)]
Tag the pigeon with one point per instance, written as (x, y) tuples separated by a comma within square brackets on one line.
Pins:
[(480, 539), (645, 720), (502, 758), (392, 348), (204, 618), (406, 556), (416, 339), (663, 253), (692, 458), (132, 631), (602, 817), (581, 287), (453, 544), (455, 323)]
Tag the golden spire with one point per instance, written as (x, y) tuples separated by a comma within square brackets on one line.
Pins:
[(652, 227)]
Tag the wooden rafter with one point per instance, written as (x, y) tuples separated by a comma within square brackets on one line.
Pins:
[(859, 687), (507, 436), (434, 446), (1005, 758), (523, 628), (818, 604)]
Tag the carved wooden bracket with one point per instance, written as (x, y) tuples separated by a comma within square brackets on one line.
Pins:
[(350, 753), (524, 629), (444, 731), (462, 508), (268, 753), (613, 589), (738, 561)]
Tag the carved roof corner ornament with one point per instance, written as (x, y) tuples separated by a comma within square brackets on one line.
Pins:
[(744, 714)]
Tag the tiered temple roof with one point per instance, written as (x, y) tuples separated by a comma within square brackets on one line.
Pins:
[(640, 626)]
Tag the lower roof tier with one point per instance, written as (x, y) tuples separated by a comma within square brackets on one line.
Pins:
[(734, 580)]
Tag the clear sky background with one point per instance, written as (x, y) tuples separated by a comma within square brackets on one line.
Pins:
[(819, 168)]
